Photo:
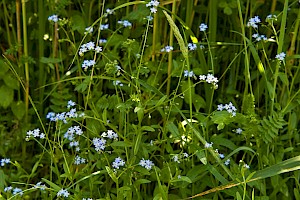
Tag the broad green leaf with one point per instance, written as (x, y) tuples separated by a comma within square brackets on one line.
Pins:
[(111, 174), (18, 109), (7, 96), (173, 129), (11, 82), (52, 185)]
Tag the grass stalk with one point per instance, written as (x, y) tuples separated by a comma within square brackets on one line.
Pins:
[(247, 64), (170, 54), (279, 50), (25, 49), (41, 47)]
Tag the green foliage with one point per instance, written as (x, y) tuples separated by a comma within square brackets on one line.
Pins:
[(270, 126), (144, 121)]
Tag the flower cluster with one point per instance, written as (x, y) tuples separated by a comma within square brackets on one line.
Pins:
[(258, 37), (88, 30), (209, 78), (117, 83), (220, 154), (125, 23), (167, 49), (178, 157), (88, 63), (63, 192), (104, 27), (271, 18), (102, 41), (4, 161), (228, 107), (16, 191), (36, 133), (79, 160), (110, 134), (187, 73), (109, 11), (99, 144), (227, 162), (192, 46), (89, 47), (203, 27), (119, 162), (148, 164), (253, 22), (87, 199), (40, 186), (153, 5), (69, 135), (280, 56), (208, 145), (71, 104), (53, 18)]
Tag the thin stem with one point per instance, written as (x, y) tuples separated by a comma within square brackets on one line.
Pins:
[(170, 55)]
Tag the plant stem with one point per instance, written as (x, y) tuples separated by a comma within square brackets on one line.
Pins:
[(170, 54), (279, 50)]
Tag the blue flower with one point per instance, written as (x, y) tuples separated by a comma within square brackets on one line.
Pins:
[(125, 23), (192, 46), (79, 160), (119, 162), (71, 104), (104, 26), (53, 18), (167, 49), (18, 191), (203, 27), (208, 145), (148, 164), (88, 63), (253, 22), (63, 193), (99, 144), (4, 161), (89, 29), (280, 56)]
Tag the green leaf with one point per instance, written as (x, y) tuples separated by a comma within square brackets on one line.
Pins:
[(283, 77), (11, 82), (52, 185), (7, 96), (50, 60), (202, 157), (111, 174), (227, 10), (173, 129), (3, 68), (18, 109), (141, 181), (182, 178), (78, 23)]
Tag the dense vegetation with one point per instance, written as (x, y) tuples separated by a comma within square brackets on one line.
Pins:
[(152, 99)]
